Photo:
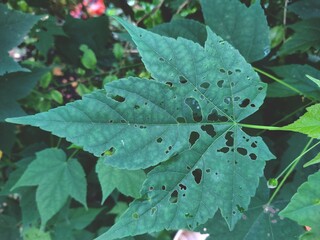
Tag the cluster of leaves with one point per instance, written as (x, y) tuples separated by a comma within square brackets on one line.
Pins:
[(185, 142)]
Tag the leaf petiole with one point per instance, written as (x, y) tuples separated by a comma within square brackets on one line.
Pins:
[(270, 128)]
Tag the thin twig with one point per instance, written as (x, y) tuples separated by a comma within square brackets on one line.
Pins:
[(156, 8), (285, 18), (182, 6)]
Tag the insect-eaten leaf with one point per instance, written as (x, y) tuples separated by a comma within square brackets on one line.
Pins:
[(185, 118)]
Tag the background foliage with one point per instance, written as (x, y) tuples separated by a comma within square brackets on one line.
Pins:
[(73, 186)]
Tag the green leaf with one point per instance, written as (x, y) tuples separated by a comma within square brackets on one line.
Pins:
[(260, 221), (64, 178), (15, 86), (88, 59), (45, 32), (14, 26), (46, 80), (231, 19), (277, 34), (56, 96), (309, 123), (118, 51), (313, 161), (295, 76), (186, 28), (127, 182), (80, 218), (305, 205), (36, 234), (305, 9), (315, 80), (187, 116), (307, 35), (8, 227)]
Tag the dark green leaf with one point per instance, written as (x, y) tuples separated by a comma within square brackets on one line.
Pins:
[(14, 86), (245, 28), (14, 26), (80, 218), (306, 8), (306, 35), (295, 76), (9, 228), (54, 186)]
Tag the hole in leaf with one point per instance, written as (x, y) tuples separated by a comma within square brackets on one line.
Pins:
[(205, 85), (136, 106), (161, 59), (223, 150), (208, 170), (151, 188), (236, 99), (142, 126), (108, 152), (216, 173), (188, 167), (222, 70), (254, 145), (244, 103), (159, 140), (118, 98), (163, 187), (242, 151), (237, 70), (188, 215), (227, 100), (153, 210), (123, 121), (170, 84), (234, 212), (194, 136), (220, 83), (230, 72), (182, 80), (182, 187), (197, 174), (135, 215), (240, 209), (252, 105), (253, 156), (229, 138), (174, 197), (195, 108), (260, 88), (181, 120), (209, 129)]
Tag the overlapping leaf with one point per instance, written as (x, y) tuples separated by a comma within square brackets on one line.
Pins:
[(230, 20), (306, 8), (14, 26), (306, 35), (189, 114), (295, 76), (304, 206), (56, 180), (309, 123), (127, 182)]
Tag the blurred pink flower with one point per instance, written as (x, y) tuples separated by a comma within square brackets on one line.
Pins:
[(188, 235)]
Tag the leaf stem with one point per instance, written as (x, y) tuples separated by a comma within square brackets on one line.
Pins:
[(271, 128), (72, 154), (58, 144), (278, 81), (291, 167)]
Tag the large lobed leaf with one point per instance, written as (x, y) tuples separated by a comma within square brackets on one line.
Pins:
[(304, 206), (14, 26), (188, 115)]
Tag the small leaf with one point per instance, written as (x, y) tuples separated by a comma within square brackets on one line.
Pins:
[(80, 218), (127, 182), (276, 34), (315, 80), (54, 186), (36, 234), (118, 51), (304, 206), (315, 160), (309, 123), (88, 59), (56, 96), (305, 9), (46, 80), (82, 89)]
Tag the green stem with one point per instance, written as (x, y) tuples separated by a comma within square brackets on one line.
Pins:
[(287, 116), (271, 128), (279, 81), (72, 154), (58, 144), (291, 167)]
